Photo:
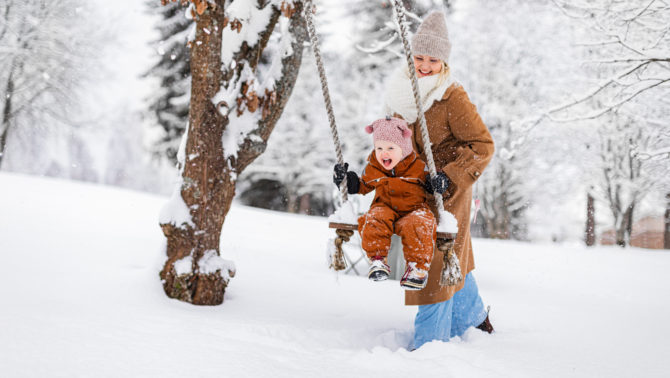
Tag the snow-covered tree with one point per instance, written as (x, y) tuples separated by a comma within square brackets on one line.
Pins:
[(627, 52), (501, 190), (237, 96), (629, 45), (626, 177), (510, 69), (169, 104), (42, 51)]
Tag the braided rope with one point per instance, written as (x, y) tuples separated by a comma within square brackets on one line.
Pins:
[(314, 39), (338, 261), (400, 15)]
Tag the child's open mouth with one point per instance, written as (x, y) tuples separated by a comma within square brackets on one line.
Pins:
[(387, 162)]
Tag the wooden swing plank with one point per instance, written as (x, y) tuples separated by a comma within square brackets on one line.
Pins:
[(354, 227)]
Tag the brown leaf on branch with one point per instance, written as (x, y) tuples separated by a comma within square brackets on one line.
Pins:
[(267, 102), (236, 25), (252, 101), (248, 99), (181, 2), (200, 6), (287, 9)]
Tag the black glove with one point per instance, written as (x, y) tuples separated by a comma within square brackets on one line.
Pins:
[(438, 183), (339, 172)]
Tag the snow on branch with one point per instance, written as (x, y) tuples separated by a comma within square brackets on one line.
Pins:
[(633, 45), (258, 56)]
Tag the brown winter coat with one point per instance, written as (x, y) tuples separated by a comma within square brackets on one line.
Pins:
[(399, 207), (462, 147), (402, 189)]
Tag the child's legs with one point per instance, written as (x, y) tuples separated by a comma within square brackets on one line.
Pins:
[(432, 322), (468, 308), (418, 231), (376, 229)]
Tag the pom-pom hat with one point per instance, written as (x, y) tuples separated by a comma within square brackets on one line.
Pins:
[(394, 130)]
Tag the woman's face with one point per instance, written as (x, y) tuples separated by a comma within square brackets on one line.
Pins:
[(427, 65)]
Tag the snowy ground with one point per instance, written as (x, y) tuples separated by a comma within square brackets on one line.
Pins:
[(81, 298)]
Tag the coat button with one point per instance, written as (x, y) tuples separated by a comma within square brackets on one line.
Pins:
[(476, 173)]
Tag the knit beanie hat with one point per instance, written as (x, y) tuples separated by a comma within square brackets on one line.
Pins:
[(432, 38), (392, 130)]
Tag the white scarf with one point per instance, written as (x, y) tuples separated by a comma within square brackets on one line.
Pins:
[(398, 97)]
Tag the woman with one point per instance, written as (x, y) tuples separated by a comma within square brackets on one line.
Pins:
[(462, 147)]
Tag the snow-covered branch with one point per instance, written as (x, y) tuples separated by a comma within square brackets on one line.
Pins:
[(639, 27)]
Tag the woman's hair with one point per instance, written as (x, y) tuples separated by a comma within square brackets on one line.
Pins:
[(444, 73)]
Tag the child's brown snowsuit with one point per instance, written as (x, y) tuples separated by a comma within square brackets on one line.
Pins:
[(399, 207)]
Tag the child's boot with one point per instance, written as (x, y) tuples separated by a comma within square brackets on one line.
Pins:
[(379, 270), (414, 278)]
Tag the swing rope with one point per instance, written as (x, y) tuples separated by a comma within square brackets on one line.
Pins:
[(451, 272), (314, 39), (338, 261)]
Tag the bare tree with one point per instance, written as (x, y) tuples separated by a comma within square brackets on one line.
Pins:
[(627, 173), (41, 54), (631, 53), (237, 96)]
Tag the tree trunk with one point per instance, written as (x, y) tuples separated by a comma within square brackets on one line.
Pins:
[(6, 121), (305, 204), (291, 203), (666, 231), (629, 223), (203, 189), (625, 228), (590, 220), (209, 174)]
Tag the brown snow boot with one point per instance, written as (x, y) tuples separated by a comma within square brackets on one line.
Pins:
[(486, 325)]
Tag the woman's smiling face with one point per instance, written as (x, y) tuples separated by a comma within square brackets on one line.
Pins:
[(427, 65)]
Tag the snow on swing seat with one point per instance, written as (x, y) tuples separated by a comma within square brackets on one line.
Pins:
[(346, 218)]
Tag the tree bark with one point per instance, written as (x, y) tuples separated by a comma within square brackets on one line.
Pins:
[(590, 220), (209, 175)]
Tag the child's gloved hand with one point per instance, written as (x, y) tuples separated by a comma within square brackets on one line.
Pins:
[(339, 171), (437, 184)]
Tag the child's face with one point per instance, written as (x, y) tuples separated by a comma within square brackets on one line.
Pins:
[(388, 154)]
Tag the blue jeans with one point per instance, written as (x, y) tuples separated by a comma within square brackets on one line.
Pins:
[(444, 320)]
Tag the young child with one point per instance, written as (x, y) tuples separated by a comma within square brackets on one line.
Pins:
[(400, 181)]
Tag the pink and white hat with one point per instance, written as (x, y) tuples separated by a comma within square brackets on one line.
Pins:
[(394, 130)]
